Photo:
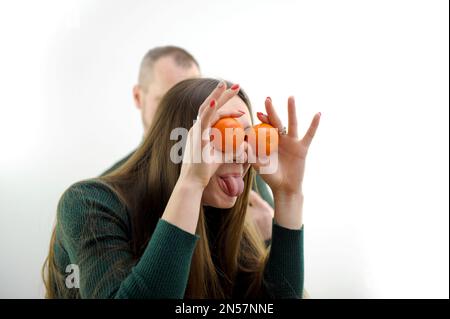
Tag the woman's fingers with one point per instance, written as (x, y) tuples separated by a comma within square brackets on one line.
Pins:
[(227, 95), (208, 114), (307, 139), (272, 114), (221, 94), (221, 100), (208, 110), (292, 118), (211, 115), (215, 95), (263, 118), (219, 115)]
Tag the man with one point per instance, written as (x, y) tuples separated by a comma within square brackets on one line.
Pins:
[(162, 68)]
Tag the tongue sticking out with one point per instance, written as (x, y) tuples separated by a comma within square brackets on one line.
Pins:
[(232, 185)]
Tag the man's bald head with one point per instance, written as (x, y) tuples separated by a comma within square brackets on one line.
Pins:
[(180, 58), (161, 68)]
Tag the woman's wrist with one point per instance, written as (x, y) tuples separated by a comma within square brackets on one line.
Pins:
[(288, 195), (183, 207), (188, 180), (289, 209)]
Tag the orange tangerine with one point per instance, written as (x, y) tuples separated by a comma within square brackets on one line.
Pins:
[(232, 134), (265, 135)]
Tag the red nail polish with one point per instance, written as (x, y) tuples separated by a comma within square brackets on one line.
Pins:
[(268, 98), (259, 113), (235, 87), (212, 103)]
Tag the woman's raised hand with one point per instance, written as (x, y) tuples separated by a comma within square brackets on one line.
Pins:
[(288, 175), (200, 161), (287, 178)]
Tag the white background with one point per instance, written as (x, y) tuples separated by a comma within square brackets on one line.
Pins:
[(376, 187)]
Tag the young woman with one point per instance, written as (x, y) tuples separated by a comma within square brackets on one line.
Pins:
[(155, 228)]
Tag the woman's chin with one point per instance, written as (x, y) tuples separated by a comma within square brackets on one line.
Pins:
[(215, 196)]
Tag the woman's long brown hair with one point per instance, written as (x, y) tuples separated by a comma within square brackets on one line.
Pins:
[(144, 185)]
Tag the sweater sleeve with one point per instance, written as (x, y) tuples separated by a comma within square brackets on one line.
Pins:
[(94, 229), (284, 272)]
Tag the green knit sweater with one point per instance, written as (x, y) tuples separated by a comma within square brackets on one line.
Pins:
[(93, 231)]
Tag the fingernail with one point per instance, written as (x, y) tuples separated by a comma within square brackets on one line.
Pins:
[(212, 103), (220, 85), (260, 113), (235, 87), (320, 113), (268, 98)]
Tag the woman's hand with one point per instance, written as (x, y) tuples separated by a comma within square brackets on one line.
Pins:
[(292, 151), (183, 207), (286, 181), (200, 160)]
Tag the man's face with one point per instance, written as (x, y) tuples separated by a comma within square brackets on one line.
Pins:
[(166, 73)]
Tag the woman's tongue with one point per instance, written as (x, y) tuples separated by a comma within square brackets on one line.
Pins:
[(232, 185)]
